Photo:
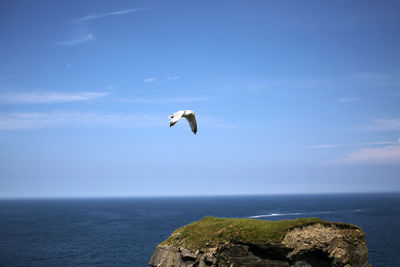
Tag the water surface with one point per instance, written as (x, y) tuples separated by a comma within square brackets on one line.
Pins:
[(124, 232)]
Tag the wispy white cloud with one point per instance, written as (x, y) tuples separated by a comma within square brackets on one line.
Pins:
[(103, 15), (382, 155), (149, 80), (347, 145), (164, 100), (290, 86), (376, 79), (346, 99), (47, 97), (381, 125), (111, 87), (56, 119), (386, 153), (172, 78), (80, 39)]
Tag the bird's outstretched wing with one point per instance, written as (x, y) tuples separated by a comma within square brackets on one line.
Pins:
[(176, 117), (193, 124)]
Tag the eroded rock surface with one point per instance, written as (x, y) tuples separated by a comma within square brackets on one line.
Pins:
[(310, 245)]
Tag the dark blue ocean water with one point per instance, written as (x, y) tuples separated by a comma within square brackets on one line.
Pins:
[(124, 232)]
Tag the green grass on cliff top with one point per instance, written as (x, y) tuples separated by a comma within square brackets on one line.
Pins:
[(210, 231)]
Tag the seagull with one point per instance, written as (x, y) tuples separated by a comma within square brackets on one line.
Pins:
[(187, 114)]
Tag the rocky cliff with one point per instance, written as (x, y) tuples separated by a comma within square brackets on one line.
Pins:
[(255, 243)]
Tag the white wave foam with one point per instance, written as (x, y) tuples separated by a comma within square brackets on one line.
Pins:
[(287, 214), (276, 215)]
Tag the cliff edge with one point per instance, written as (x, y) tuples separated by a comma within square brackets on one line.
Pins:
[(304, 242)]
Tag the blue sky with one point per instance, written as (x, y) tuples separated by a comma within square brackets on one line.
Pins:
[(290, 96)]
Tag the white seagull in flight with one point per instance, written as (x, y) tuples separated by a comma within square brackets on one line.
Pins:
[(187, 114)]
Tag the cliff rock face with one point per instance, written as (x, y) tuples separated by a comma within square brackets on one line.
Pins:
[(308, 244)]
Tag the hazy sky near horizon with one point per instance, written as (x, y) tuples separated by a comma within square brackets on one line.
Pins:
[(290, 96)]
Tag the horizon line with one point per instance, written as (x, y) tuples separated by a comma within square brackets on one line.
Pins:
[(194, 196)]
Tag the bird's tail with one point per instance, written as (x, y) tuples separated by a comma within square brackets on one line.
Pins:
[(170, 116)]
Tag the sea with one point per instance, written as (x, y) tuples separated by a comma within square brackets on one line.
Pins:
[(125, 231)]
